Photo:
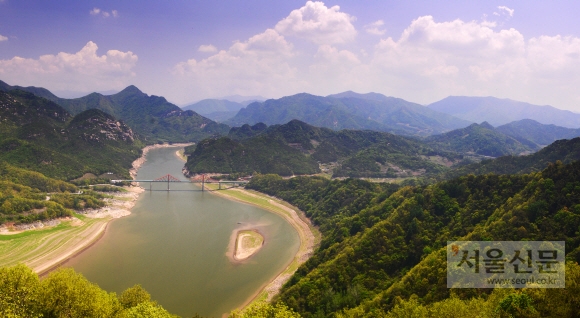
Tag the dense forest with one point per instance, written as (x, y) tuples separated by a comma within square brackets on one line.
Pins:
[(384, 248), (298, 148), (39, 135)]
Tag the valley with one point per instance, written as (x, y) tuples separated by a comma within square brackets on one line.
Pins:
[(355, 244)]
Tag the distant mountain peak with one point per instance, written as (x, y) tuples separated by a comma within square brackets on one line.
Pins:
[(131, 89), (367, 96), (485, 124)]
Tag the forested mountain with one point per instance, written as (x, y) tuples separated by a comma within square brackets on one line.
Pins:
[(540, 134), (152, 117), (39, 135), (355, 153), (480, 139), (502, 111), (219, 110), (384, 247), (349, 111), (564, 150)]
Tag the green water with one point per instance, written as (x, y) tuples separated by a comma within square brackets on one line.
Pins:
[(175, 243)]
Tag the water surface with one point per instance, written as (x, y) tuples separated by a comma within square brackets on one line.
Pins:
[(174, 244)]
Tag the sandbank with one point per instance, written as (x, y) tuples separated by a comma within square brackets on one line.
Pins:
[(244, 243), (309, 235)]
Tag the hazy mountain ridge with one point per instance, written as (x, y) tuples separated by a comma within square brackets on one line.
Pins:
[(502, 111), (540, 134), (350, 110), (216, 109)]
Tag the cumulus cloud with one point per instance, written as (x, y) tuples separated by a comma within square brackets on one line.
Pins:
[(469, 58), (375, 28), (257, 65), (3, 38), (80, 71), (319, 24), (207, 48), (428, 61), (97, 11)]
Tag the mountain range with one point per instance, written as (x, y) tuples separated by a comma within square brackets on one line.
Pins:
[(151, 117), (297, 146), (498, 111), (350, 111)]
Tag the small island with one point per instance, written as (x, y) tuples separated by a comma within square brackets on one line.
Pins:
[(248, 242)]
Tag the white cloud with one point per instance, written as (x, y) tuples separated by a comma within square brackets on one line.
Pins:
[(434, 60), (375, 28), (506, 10), (318, 24), (428, 61), (81, 71), (207, 48), (97, 11), (3, 38), (256, 66)]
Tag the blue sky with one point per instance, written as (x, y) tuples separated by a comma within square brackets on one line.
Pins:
[(421, 51)]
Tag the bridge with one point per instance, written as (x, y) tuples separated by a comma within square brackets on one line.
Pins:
[(171, 179)]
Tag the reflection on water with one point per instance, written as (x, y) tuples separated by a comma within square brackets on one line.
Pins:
[(174, 244)]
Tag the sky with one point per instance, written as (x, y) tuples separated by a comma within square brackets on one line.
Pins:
[(421, 51)]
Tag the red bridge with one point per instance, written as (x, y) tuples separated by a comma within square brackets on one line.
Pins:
[(197, 179)]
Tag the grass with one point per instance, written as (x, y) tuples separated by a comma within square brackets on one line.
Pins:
[(35, 247), (250, 239)]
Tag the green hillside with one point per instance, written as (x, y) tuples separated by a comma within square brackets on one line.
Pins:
[(480, 139), (153, 118), (39, 135), (384, 247), (355, 153), (566, 151), (23, 196)]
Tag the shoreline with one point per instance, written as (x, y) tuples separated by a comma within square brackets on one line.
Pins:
[(308, 234), (141, 160), (67, 245)]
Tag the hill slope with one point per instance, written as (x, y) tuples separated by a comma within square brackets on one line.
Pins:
[(539, 134), (566, 151), (382, 245), (39, 135), (502, 111), (480, 139), (353, 153), (152, 117)]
